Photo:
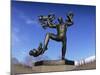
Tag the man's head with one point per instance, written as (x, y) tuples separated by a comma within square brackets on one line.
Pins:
[(60, 20)]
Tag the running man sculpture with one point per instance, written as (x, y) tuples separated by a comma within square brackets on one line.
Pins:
[(61, 27)]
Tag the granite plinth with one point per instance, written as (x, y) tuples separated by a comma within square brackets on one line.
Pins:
[(53, 65)]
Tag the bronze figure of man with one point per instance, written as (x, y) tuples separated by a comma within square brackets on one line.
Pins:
[(61, 27)]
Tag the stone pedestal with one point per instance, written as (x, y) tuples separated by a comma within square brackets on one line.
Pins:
[(53, 66)]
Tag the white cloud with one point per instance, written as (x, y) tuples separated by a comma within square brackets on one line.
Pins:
[(29, 21), (23, 16)]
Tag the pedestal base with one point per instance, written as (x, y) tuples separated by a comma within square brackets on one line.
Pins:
[(53, 66), (54, 62)]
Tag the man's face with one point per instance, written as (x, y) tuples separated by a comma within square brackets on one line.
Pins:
[(60, 20)]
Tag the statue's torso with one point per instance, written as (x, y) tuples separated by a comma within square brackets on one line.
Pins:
[(61, 30)]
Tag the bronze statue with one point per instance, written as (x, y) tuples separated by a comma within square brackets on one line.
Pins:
[(61, 27)]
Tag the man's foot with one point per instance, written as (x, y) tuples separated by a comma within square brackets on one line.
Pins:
[(37, 52), (33, 52)]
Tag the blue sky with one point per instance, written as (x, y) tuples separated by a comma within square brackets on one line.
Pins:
[(27, 32)]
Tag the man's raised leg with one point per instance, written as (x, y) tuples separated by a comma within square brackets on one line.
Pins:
[(46, 41)]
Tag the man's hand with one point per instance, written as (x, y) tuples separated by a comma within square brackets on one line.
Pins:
[(45, 19), (70, 16), (69, 20)]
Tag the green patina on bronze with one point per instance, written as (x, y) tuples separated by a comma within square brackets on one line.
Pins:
[(60, 36)]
